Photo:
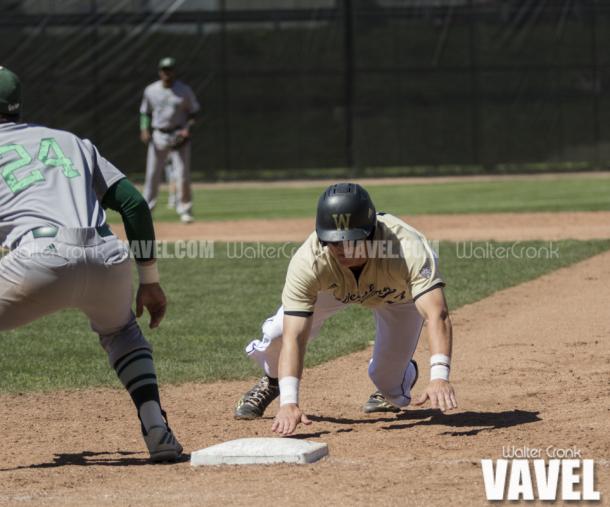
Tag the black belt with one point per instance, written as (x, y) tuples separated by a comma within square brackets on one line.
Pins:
[(168, 131), (49, 231)]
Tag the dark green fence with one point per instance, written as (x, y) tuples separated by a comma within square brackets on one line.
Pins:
[(362, 86)]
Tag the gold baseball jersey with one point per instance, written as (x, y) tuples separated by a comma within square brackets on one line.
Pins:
[(401, 266)]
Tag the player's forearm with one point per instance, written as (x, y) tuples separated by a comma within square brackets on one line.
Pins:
[(291, 357), (433, 307), (191, 121), (292, 354), (145, 121), (290, 369), (124, 198), (440, 335)]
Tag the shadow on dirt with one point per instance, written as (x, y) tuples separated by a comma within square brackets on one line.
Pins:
[(476, 421), (369, 419), (304, 436), (89, 458), (482, 421)]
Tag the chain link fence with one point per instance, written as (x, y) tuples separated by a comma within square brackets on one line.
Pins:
[(328, 87)]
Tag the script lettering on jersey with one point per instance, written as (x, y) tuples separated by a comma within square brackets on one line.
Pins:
[(49, 153), (391, 295)]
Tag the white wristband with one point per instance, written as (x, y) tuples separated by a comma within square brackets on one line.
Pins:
[(289, 390), (440, 365), (148, 273)]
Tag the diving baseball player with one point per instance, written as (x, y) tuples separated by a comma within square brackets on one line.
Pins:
[(168, 107), (54, 187), (356, 256)]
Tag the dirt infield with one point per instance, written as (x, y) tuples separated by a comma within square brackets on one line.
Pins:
[(494, 226), (530, 369)]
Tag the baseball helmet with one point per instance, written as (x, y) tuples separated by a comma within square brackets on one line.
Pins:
[(10, 92), (345, 212)]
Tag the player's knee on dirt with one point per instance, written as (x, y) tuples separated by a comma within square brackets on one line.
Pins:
[(392, 392)]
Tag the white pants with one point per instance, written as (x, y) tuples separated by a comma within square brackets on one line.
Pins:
[(158, 153), (398, 327), (76, 269)]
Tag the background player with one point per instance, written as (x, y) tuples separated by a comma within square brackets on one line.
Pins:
[(53, 188), (356, 257), (168, 107)]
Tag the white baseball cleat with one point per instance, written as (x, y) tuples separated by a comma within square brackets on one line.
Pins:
[(186, 218), (162, 444)]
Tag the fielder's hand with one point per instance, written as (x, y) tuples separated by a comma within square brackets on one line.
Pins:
[(288, 418), (441, 395), (151, 296), (145, 136)]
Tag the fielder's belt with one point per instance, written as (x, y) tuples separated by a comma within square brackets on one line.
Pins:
[(179, 141), (49, 231)]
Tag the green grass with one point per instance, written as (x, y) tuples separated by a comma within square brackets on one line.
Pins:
[(217, 306), (569, 194)]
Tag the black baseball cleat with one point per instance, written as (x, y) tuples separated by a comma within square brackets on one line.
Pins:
[(161, 442), (252, 405), (378, 403)]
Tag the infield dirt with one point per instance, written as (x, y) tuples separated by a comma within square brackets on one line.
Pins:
[(530, 369), (493, 226)]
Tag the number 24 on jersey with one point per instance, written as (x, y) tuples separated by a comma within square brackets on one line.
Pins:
[(49, 153)]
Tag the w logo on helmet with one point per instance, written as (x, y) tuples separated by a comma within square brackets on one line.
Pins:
[(342, 220)]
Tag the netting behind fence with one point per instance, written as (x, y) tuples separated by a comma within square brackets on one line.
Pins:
[(288, 88)]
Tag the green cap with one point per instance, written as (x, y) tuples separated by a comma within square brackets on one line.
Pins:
[(10, 92), (167, 63)]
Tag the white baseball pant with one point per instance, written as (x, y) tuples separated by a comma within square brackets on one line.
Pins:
[(76, 269), (159, 149), (398, 327)]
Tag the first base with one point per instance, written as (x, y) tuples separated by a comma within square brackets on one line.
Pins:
[(252, 451)]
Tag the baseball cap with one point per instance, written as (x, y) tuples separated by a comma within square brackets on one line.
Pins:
[(167, 63), (10, 92)]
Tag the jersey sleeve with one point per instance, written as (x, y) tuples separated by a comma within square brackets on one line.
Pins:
[(302, 286), (145, 105), (104, 174), (422, 266), (193, 102)]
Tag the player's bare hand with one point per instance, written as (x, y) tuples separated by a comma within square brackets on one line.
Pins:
[(287, 419), (441, 395), (145, 136), (151, 297), (184, 133)]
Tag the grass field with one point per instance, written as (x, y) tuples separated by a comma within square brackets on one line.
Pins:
[(569, 194), (217, 305)]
